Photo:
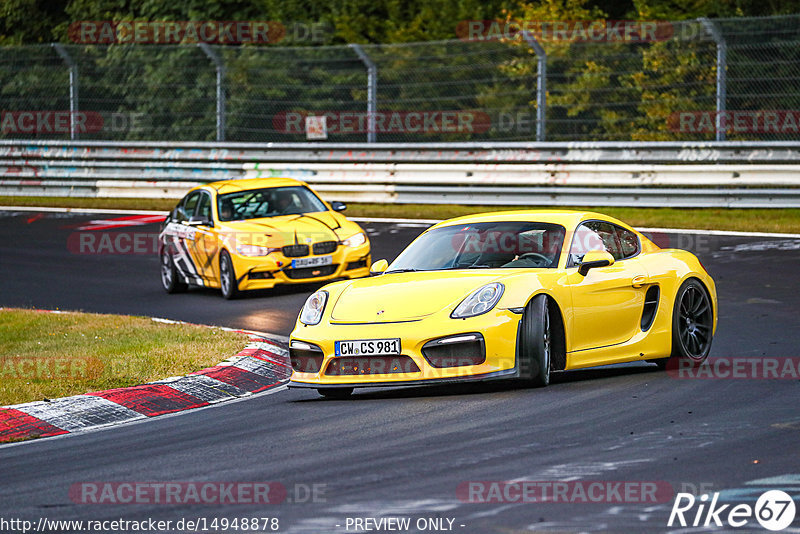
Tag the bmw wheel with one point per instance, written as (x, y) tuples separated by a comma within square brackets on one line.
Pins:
[(170, 278), (227, 276)]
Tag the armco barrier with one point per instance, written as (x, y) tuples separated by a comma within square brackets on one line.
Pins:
[(714, 174)]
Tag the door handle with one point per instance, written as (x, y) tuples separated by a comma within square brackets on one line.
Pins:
[(639, 281)]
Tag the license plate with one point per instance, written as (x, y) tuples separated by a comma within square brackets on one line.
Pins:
[(315, 261), (368, 347)]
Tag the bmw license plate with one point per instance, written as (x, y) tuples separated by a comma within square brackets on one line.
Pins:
[(316, 261), (368, 347)]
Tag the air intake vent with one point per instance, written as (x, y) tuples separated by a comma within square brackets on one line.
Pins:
[(305, 357), (650, 307), (310, 272), (371, 365), (455, 351)]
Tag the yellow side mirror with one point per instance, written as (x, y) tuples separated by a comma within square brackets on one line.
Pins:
[(379, 267), (595, 258)]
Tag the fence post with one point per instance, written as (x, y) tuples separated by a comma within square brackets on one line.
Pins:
[(73, 89), (722, 67), (220, 67), (372, 90), (541, 84)]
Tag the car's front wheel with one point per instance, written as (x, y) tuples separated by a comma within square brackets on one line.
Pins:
[(336, 393), (170, 279), (535, 343), (692, 325), (227, 276)]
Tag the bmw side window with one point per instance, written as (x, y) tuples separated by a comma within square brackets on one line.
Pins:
[(187, 207), (179, 214), (204, 207), (628, 241)]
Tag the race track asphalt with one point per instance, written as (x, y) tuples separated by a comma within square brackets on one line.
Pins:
[(405, 453)]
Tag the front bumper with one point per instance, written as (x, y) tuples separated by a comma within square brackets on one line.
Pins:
[(498, 328), (263, 272)]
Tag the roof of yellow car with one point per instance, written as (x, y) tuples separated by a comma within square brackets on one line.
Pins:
[(244, 184), (566, 218)]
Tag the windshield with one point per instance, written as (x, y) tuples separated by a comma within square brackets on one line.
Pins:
[(488, 245), (270, 202)]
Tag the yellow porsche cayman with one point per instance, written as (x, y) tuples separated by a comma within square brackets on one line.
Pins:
[(514, 294), (247, 234)]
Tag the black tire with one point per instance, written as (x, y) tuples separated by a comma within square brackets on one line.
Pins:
[(336, 393), (227, 277), (692, 325), (535, 343), (170, 278)]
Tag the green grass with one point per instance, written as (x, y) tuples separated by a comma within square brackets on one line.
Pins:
[(744, 220), (47, 355)]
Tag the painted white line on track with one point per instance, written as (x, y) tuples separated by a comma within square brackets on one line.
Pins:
[(415, 222), (718, 232), (395, 220), (83, 210)]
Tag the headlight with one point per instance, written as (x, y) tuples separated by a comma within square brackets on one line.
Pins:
[(355, 240), (311, 313), (479, 301), (253, 250)]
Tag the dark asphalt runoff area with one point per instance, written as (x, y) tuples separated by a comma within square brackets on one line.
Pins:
[(410, 453)]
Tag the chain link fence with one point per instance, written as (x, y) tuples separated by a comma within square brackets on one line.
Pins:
[(735, 79)]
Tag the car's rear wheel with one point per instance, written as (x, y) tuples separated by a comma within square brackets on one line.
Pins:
[(227, 276), (535, 343), (336, 393), (692, 325), (170, 278)]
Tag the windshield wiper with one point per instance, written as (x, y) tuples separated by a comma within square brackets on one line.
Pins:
[(403, 271)]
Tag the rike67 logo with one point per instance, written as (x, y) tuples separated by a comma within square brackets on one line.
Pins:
[(774, 510)]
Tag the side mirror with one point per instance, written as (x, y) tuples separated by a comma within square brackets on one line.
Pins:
[(595, 258), (199, 221), (338, 206), (379, 267)]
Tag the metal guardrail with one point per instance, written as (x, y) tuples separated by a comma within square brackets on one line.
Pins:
[(506, 152), (717, 174)]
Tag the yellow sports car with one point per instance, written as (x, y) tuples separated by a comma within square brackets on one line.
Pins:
[(514, 294), (238, 235)]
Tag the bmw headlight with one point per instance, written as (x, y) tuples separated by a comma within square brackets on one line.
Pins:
[(253, 250), (311, 313), (479, 301), (355, 240)]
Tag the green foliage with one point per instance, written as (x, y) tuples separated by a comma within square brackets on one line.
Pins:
[(596, 91)]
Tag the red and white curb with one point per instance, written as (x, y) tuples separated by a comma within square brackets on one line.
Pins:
[(263, 364)]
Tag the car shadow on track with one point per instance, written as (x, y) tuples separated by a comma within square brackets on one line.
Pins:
[(477, 388), (281, 290)]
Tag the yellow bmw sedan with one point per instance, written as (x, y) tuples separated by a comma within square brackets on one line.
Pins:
[(239, 235), (507, 295)]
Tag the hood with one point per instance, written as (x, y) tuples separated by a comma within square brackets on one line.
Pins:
[(405, 296), (281, 231)]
